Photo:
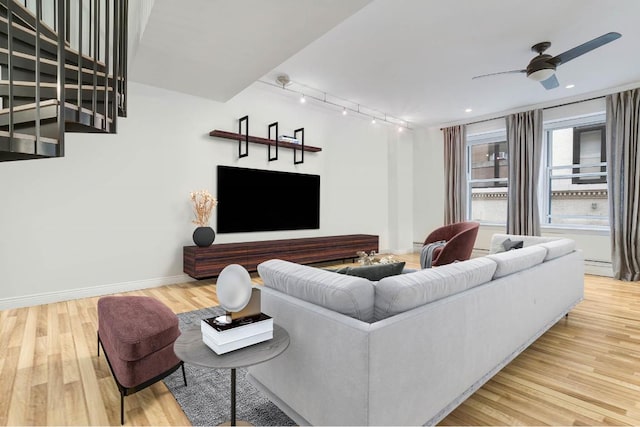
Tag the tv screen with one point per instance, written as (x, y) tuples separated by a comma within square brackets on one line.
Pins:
[(261, 200)]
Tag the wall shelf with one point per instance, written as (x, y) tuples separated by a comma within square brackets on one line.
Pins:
[(264, 141)]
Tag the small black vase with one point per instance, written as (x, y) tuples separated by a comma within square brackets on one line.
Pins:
[(204, 236)]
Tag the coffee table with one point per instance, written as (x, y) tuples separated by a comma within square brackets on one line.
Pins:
[(191, 349)]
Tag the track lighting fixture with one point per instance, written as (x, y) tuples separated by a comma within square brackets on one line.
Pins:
[(283, 82)]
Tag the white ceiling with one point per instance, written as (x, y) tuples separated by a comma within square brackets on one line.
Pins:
[(412, 59), (216, 48)]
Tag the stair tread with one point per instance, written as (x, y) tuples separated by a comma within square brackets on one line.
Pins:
[(53, 63), (54, 85), (86, 58), (32, 106), (53, 102), (28, 137), (30, 15)]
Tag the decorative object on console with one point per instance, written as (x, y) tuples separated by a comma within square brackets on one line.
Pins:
[(203, 204), (509, 244), (204, 236)]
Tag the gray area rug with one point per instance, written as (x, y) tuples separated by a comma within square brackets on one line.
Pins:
[(207, 398)]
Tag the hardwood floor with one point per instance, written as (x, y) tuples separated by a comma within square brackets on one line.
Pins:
[(584, 371)]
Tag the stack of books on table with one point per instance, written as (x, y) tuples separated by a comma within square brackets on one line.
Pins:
[(240, 333)]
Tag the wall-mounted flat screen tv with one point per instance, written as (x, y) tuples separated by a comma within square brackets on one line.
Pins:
[(263, 200)]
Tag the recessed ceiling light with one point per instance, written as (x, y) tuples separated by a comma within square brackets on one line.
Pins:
[(302, 99), (468, 110), (344, 111), (373, 121), (570, 86)]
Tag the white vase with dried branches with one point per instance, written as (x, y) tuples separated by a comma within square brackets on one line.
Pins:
[(203, 204)]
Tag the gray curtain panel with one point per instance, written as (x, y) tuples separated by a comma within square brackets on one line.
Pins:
[(524, 141), (623, 166), (455, 174)]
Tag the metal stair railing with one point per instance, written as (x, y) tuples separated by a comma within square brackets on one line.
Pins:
[(90, 75)]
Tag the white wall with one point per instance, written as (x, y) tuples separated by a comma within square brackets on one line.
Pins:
[(428, 185), (114, 213), (400, 165)]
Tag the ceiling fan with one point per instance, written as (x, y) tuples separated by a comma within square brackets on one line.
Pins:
[(542, 68)]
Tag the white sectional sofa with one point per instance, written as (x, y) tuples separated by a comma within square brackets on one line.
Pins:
[(410, 348)]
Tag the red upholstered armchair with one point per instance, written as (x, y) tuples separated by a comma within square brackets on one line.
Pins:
[(459, 238)]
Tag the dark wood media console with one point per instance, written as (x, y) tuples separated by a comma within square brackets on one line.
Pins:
[(202, 263)]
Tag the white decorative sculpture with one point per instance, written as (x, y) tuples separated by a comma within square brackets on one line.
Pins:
[(234, 290)]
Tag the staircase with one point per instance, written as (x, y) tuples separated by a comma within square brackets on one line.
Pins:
[(45, 45)]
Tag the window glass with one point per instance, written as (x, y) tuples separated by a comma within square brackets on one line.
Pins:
[(576, 208), (490, 161), (488, 169), (488, 204), (576, 180)]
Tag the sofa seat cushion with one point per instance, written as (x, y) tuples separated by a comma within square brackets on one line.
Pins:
[(558, 248), (136, 326), (349, 295), (401, 293), (513, 261)]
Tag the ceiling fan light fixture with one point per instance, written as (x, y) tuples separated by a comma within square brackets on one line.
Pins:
[(541, 75)]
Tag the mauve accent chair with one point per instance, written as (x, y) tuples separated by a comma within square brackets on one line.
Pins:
[(137, 335), (460, 238)]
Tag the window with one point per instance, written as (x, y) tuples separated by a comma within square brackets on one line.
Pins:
[(487, 177), (573, 191), (576, 173)]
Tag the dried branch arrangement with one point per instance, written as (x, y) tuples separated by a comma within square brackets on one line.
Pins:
[(203, 204)]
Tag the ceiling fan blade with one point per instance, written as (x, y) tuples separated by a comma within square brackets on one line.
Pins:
[(584, 48), (501, 72), (550, 83)]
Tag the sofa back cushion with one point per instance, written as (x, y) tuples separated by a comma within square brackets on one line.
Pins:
[(517, 260), (497, 240), (349, 295), (407, 291), (558, 248)]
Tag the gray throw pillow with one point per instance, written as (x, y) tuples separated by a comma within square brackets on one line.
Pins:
[(374, 272), (509, 244)]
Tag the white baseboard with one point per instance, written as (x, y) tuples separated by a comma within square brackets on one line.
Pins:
[(93, 291), (598, 268), (399, 251)]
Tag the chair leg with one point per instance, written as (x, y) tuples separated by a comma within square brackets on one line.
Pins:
[(121, 408), (98, 343), (184, 376)]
